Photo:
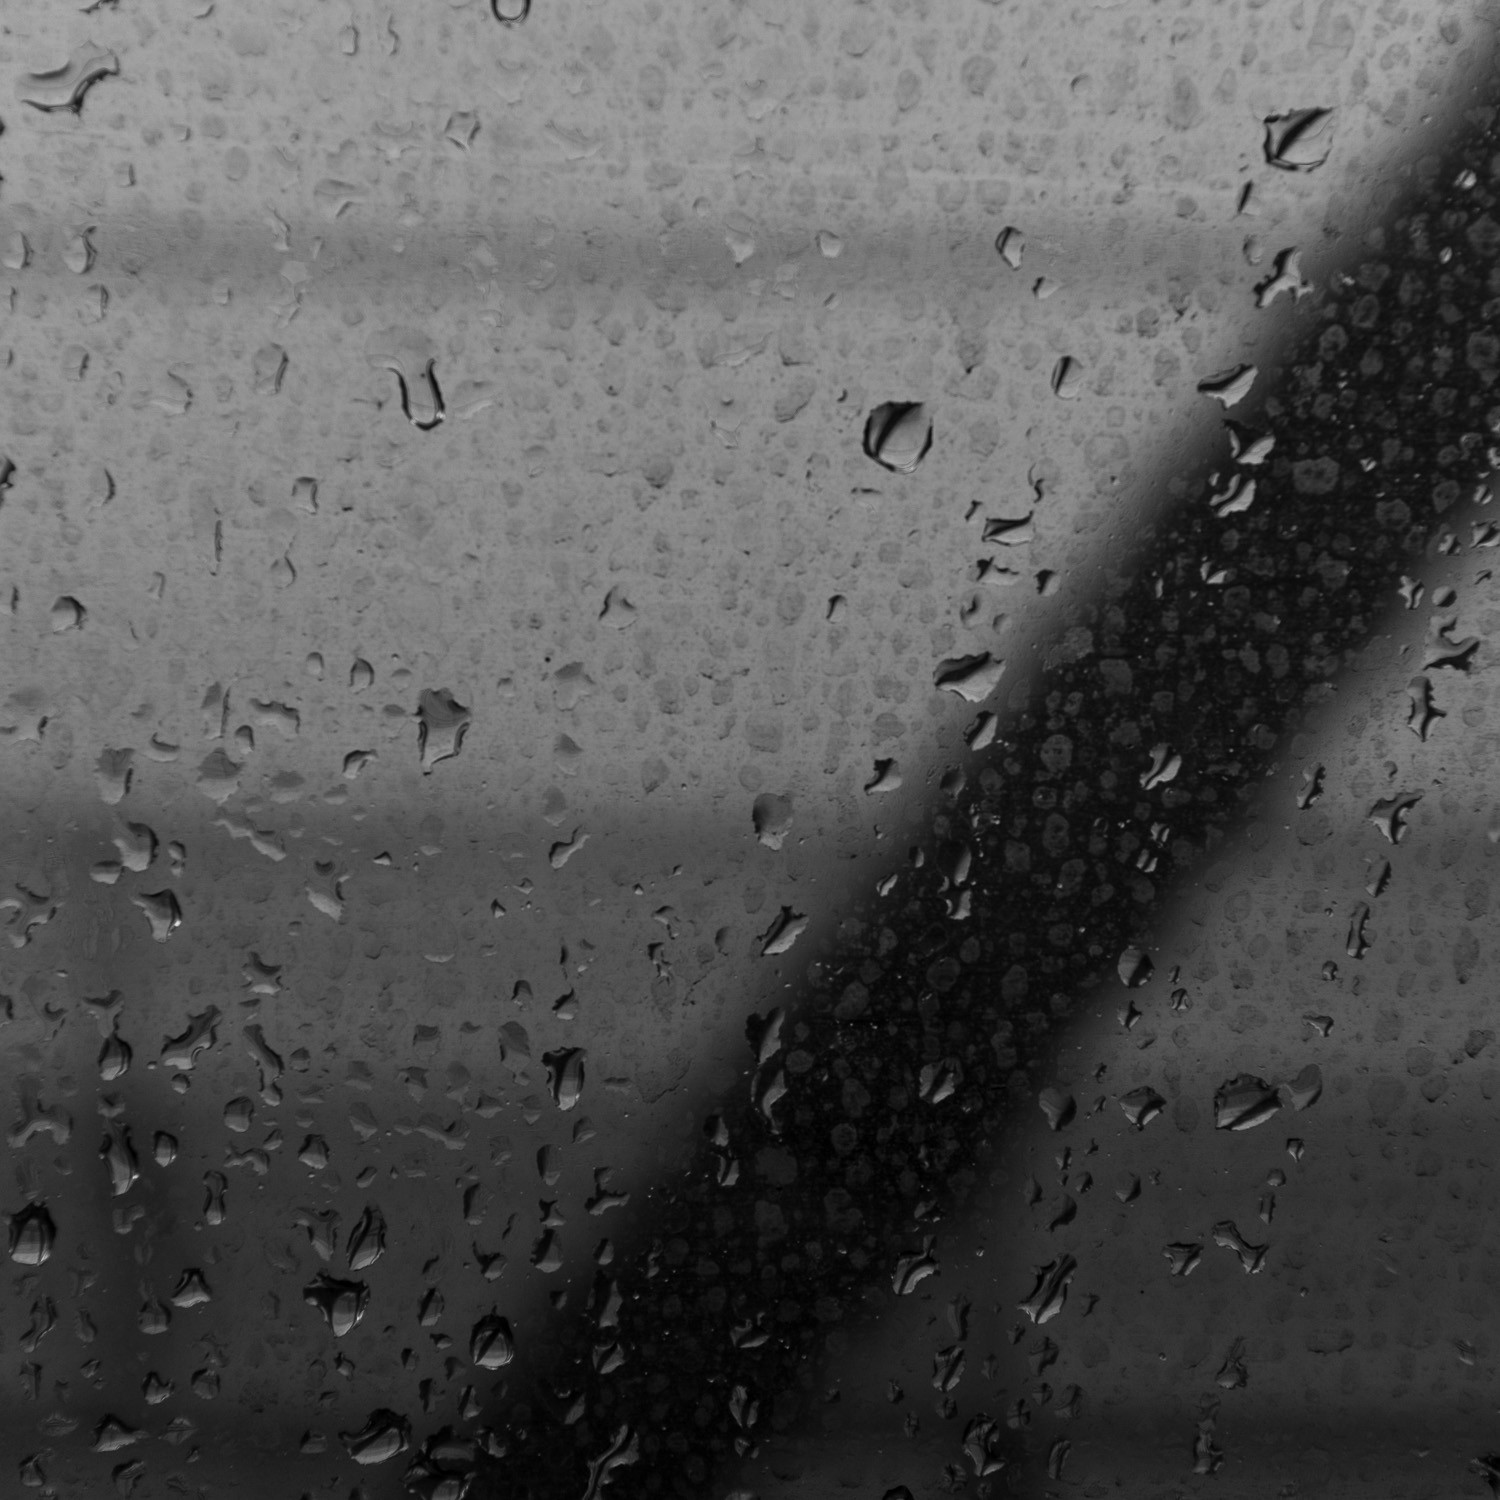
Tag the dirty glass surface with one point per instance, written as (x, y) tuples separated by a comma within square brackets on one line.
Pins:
[(746, 749)]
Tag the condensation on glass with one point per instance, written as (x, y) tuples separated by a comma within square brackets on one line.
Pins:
[(746, 748)]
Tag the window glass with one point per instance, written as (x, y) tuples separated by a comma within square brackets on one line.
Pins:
[(746, 749)]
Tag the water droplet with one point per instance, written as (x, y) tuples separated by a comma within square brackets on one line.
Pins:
[(215, 1185), (462, 127), (623, 1449), (1244, 1102), (618, 612), (1299, 140), (164, 1149), (162, 913), (1011, 244), (411, 357), (1303, 1091), (1286, 276), (1051, 1290), (565, 1075), (510, 12), (386, 1434), (341, 1303), (1067, 378), (112, 1434), (367, 1239), (1059, 1107), (972, 678), (442, 723), (898, 435), (1182, 1258), (66, 614), (268, 369), (1135, 967), (120, 1158), (32, 1235), (1230, 387), (1142, 1106), (1389, 815), (191, 1290), (181, 1052), (114, 1057), (491, 1345), (1252, 1257), (63, 88), (771, 817), (784, 930), (830, 245)]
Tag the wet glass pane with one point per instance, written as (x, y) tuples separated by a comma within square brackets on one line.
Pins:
[(746, 749)]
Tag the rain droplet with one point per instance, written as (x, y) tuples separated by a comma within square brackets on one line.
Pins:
[(181, 1052), (898, 435), (1303, 1091), (1051, 1290), (114, 1057), (162, 913), (771, 816), (1389, 815), (1252, 1257), (63, 88), (411, 357), (367, 1239), (191, 1290), (1229, 387), (1135, 967), (1182, 1258), (491, 1345), (32, 1235), (618, 612), (268, 369), (66, 614), (1300, 139), (972, 678), (442, 723), (1059, 1107), (112, 1434), (1142, 1106), (510, 12), (565, 1075), (341, 1303), (120, 1158), (1067, 379), (462, 127), (1244, 1102), (787, 927), (386, 1434), (830, 246)]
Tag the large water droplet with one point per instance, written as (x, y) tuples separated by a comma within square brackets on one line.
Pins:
[(386, 1434), (1244, 1102), (411, 356), (367, 1239), (1300, 139), (442, 723), (565, 1075), (63, 88), (491, 1345), (32, 1235), (341, 1303), (898, 435)]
